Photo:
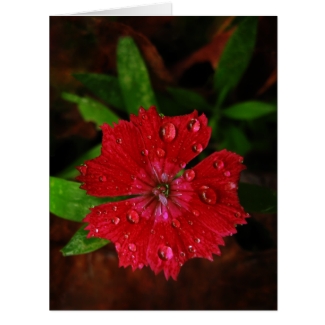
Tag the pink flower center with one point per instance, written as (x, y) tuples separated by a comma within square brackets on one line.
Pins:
[(161, 192)]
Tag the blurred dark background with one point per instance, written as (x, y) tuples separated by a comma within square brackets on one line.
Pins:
[(179, 52)]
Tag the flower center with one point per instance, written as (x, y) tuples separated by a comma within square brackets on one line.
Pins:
[(161, 191)]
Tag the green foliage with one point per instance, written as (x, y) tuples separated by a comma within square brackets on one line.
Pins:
[(235, 57), (105, 87), (189, 99), (249, 110), (80, 244), (235, 140), (256, 198), (69, 202), (133, 77), (92, 110)]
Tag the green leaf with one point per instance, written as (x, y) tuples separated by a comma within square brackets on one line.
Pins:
[(106, 87), (133, 77), (80, 244), (257, 199), (236, 141), (70, 202), (236, 56), (189, 99), (92, 110), (249, 110), (71, 171)]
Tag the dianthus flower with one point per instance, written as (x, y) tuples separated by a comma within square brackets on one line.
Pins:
[(168, 219)]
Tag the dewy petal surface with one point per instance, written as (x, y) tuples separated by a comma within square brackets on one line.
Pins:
[(170, 220)]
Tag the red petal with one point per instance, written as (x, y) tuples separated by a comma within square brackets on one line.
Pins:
[(127, 224), (122, 168), (171, 141)]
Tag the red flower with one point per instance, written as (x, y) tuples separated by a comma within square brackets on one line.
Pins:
[(168, 219)]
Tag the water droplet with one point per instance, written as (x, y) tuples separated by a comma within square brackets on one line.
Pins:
[(180, 264), (207, 195), (105, 211), (115, 220), (141, 110), (114, 207), (189, 174), (176, 223), (119, 141), (227, 173), (96, 230), (83, 170), (241, 160), (140, 266), (152, 231), (197, 240), (182, 164), (160, 152), (190, 222), (218, 164), (149, 137), (144, 117), (117, 247), (230, 186), (162, 237), (165, 215), (191, 249), (102, 178), (126, 236), (165, 253), (132, 216), (197, 147), (132, 247), (144, 152), (237, 214), (98, 212), (133, 177), (196, 213), (194, 125), (174, 160), (182, 254), (167, 132)]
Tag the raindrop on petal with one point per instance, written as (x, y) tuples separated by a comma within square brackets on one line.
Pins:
[(132, 247), (132, 216), (119, 141), (191, 249), (144, 152), (115, 220), (117, 246), (167, 132), (227, 173), (182, 254), (176, 223), (230, 186), (218, 164), (152, 231), (165, 253), (197, 147), (197, 240), (114, 208), (83, 170), (189, 174), (194, 125), (160, 152), (196, 213), (207, 195), (102, 178), (182, 164)]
